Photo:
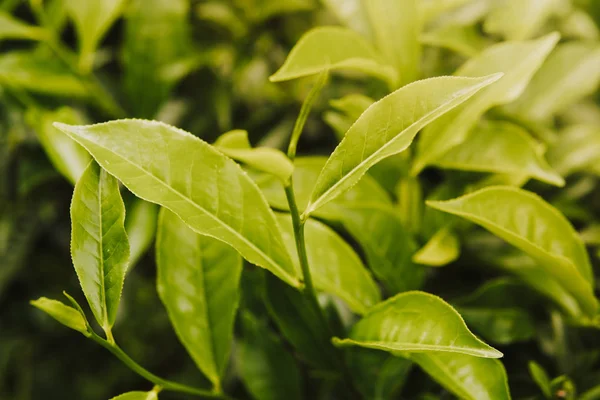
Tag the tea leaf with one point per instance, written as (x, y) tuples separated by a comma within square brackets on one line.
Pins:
[(214, 196), (416, 322), (502, 148), (137, 396), (468, 377), (64, 314), (235, 144), (99, 244), (519, 19), (334, 266), (387, 128), (92, 19), (570, 73), (12, 28), (576, 149), (441, 249), (140, 225), (352, 14), (197, 280), (396, 27), (540, 377), (451, 130), (268, 371), (431, 9), (532, 225), (332, 47), (464, 40), (68, 157)]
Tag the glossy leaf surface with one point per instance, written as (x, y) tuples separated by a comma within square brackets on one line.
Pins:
[(332, 47), (529, 223), (335, 267), (99, 244), (416, 322), (388, 127), (64, 314), (452, 129), (214, 196), (197, 280), (502, 148)]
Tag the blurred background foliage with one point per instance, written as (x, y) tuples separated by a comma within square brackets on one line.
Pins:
[(202, 66)]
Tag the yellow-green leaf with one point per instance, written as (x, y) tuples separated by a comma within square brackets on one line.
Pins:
[(577, 149), (12, 28), (519, 19), (152, 395), (441, 249), (140, 225), (464, 40), (64, 314)]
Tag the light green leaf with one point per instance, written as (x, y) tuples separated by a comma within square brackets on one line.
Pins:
[(12, 28), (431, 9), (464, 40), (441, 249), (468, 377), (64, 314), (157, 36), (540, 377), (92, 19), (396, 28), (68, 157), (198, 279), (579, 25), (260, 10), (534, 226), (451, 130), (99, 244), (140, 225), (268, 371), (333, 47), (577, 149), (41, 74), (503, 148), (388, 127), (214, 196), (353, 105), (387, 245), (235, 144), (335, 267), (416, 322), (306, 172), (351, 13), (570, 73), (152, 395), (519, 19)]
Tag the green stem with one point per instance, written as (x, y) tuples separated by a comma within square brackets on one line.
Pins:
[(144, 373)]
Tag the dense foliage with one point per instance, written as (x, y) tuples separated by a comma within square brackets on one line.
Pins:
[(378, 199)]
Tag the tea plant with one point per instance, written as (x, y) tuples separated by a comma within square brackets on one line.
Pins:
[(380, 271)]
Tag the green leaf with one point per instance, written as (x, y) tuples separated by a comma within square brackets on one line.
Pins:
[(577, 149), (387, 245), (334, 266), (152, 395), (468, 377), (213, 195), (12, 28), (64, 314), (297, 320), (464, 40), (388, 127), (198, 279), (451, 130), (92, 19), (579, 25), (443, 248), (351, 13), (352, 105), (396, 28), (431, 9), (99, 244), (503, 148), (540, 377), (532, 225), (68, 157), (235, 144), (268, 371), (333, 47), (140, 225), (157, 36), (519, 19), (570, 73), (416, 322), (39, 73)]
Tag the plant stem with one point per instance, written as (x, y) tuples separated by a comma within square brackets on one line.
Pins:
[(144, 373)]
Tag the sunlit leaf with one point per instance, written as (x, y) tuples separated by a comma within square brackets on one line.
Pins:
[(443, 248), (388, 127), (197, 280), (137, 396), (140, 225), (64, 314), (99, 244), (214, 196), (519, 19), (12, 28), (464, 40), (351, 13), (577, 149)]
